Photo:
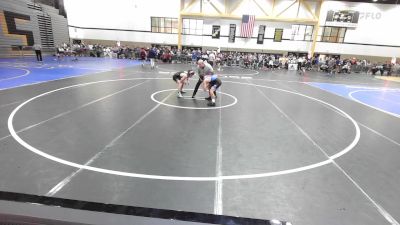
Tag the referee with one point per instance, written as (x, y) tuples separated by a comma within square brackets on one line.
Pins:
[(204, 69)]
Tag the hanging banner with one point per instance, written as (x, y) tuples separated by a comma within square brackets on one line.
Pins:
[(216, 30), (261, 32), (342, 18), (278, 35), (232, 33)]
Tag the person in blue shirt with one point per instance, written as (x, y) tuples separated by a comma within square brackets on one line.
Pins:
[(211, 85), (194, 57), (152, 56)]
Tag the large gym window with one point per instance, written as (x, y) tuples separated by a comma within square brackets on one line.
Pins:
[(332, 34), (302, 32), (164, 25), (192, 26)]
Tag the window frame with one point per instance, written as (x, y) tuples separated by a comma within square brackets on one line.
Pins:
[(332, 38), (309, 35), (301, 34), (192, 26), (160, 25)]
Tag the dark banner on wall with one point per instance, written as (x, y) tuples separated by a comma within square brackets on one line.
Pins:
[(261, 32), (278, 35), (342, 18), (216, 30), (76, 41), (232, 33)]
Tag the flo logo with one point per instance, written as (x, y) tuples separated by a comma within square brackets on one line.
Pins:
[(9, 28), (370, 15)]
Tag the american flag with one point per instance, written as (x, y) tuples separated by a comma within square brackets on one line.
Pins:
[(247, 27)]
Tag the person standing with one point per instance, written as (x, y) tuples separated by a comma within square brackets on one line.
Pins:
[(194, 57), (142, 55), (211, 58), (38, 52), (152, 56), (204, 69), (301, 65)]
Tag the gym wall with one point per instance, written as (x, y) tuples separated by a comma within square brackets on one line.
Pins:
[(376, 33), (126, 20), (268, 46), (24, 23)]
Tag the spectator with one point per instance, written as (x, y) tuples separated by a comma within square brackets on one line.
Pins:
[(152, 56), (142, 56), (211, 58), (38, 52)]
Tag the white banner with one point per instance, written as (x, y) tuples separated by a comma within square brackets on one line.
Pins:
[(342, 18)]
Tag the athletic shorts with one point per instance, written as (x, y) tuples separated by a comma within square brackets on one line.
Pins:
[(215, 84), (176, 77), (210, 78)]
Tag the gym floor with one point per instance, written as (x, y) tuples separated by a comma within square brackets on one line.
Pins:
[(310, 149)]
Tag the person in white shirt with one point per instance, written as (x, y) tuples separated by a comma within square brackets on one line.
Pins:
[(211, 59), (270, 63), (300, 63), (204, 57), (38, 52), (108, 52), (181, 78)]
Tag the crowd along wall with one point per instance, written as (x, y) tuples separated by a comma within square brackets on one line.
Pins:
[(374, 35)]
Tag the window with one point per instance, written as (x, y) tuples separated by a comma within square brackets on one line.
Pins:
[(164, 25), (192, 26), (302, 32), (332, 34), (309, 33)]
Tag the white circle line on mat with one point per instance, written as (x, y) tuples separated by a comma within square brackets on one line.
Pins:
[(216, 72), (188, 107), (376, 108), (181, 178), (27, 72)]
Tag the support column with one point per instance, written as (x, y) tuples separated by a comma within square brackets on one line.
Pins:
[(180, 25), (225, 5), (316, 28)]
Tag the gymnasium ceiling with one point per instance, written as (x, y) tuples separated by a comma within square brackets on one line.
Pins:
[(377, 1)]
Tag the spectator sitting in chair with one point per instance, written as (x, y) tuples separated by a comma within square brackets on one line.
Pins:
[(324, 68), (388, 68), (374, 69), (345, 68), (380, 68)]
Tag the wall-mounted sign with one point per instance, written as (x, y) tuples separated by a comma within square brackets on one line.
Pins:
[(11, 29), (342, 18), (370, 15), (216, 30), (261, 32), (232, 33)]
